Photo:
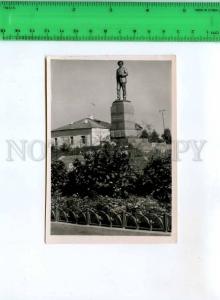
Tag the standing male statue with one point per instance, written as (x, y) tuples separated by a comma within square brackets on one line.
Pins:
[(121, 78)]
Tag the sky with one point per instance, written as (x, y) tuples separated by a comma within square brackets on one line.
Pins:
[(81, 88)]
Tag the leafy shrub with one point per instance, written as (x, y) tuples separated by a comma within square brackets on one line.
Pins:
[(109, 171), (105, 171), (58, 177), (153, 137), (144, 134), (167, 136), (156, 180)]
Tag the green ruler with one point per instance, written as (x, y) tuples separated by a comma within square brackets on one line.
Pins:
[(107, 21)]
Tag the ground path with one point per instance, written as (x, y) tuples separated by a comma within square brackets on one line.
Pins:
[(59, 228)]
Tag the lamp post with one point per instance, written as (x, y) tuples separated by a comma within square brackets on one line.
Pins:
[(162, 111)]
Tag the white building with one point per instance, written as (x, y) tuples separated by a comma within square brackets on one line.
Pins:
[(85, 132)]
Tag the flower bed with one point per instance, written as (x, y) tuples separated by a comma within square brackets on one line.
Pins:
[(132, 213)]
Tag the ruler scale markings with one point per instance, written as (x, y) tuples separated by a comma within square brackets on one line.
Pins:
[(157, 21)]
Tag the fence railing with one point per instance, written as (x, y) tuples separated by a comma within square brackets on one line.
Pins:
[(138, 221)]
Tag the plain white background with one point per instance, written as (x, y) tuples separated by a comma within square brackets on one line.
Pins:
[(30, 269)]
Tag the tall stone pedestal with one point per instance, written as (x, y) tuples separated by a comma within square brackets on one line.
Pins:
[(122, 120)]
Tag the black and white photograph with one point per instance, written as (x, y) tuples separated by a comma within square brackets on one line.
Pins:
[(111, 123)]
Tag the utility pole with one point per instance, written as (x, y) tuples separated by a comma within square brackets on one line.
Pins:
[(93, 109), (162, 111)]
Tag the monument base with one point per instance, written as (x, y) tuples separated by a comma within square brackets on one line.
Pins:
[(122, 120)]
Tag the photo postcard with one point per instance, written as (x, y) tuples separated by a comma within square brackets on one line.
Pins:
[(111, 123)]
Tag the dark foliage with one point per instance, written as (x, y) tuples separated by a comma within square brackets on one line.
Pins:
[(58, 177), (144, 134), (167, 136), (110, 171), (154, 137), (156, 180), (106, 171)]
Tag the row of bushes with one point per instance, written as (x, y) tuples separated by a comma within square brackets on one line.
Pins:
[(108, 204), (107, 171)]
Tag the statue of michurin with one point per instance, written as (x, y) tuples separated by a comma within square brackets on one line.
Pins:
[(121, 78)]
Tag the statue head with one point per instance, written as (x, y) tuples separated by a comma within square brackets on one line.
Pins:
[(120, 63)]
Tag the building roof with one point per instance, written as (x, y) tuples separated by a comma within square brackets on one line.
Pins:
[(86, 123)]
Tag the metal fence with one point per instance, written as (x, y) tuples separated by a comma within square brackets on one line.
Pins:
[(137, 221)]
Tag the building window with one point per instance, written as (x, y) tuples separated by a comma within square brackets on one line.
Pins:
[(83, 139), (71, 140), (56, 142)]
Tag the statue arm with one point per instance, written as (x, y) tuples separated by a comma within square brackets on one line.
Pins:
[(125, 73)]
